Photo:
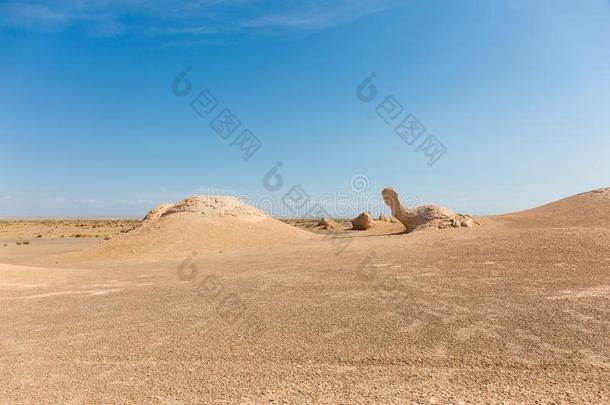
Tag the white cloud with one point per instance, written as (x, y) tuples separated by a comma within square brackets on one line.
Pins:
[(35, 16), (195, 18), (316, 16)]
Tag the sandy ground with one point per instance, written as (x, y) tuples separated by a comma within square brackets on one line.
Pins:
[(516, 310)]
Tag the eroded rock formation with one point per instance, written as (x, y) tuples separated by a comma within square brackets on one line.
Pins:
[(363, 222), (425, 216), (383, 217), (329, 224)]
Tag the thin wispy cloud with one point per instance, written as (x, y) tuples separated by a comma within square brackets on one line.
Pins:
[(194, 18), (318, 15), (35, 16)]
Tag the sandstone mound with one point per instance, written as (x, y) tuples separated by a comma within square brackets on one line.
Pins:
[(204, 206), (363, 222), (426, 216), (590, 209), (214, 206), (200, 224)]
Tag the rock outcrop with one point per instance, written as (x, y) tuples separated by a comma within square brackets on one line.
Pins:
[(156, 213), (218, 206), (363, 222), (383, 217), (204, 206), (329, 224), (425, 216)]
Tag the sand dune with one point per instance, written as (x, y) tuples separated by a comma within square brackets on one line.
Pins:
[(589, 209)]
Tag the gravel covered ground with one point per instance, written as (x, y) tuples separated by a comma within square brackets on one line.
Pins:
[(514, 310)]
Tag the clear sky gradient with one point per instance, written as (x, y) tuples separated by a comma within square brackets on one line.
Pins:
[(518, 92)]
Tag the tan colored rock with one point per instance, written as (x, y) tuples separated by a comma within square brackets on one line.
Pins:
[(384, 217), (329, 224), (325, 222), (214, 206), (205, 206), (363, 222), (467, 223), (424, 217), (156, 212)]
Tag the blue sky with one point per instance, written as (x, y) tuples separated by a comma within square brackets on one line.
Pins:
[(517, 92)]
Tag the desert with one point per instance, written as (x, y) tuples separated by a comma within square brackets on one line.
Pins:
[(304, 202), (215, 299)]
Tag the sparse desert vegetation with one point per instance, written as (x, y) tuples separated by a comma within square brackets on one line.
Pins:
[(54, 229)]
